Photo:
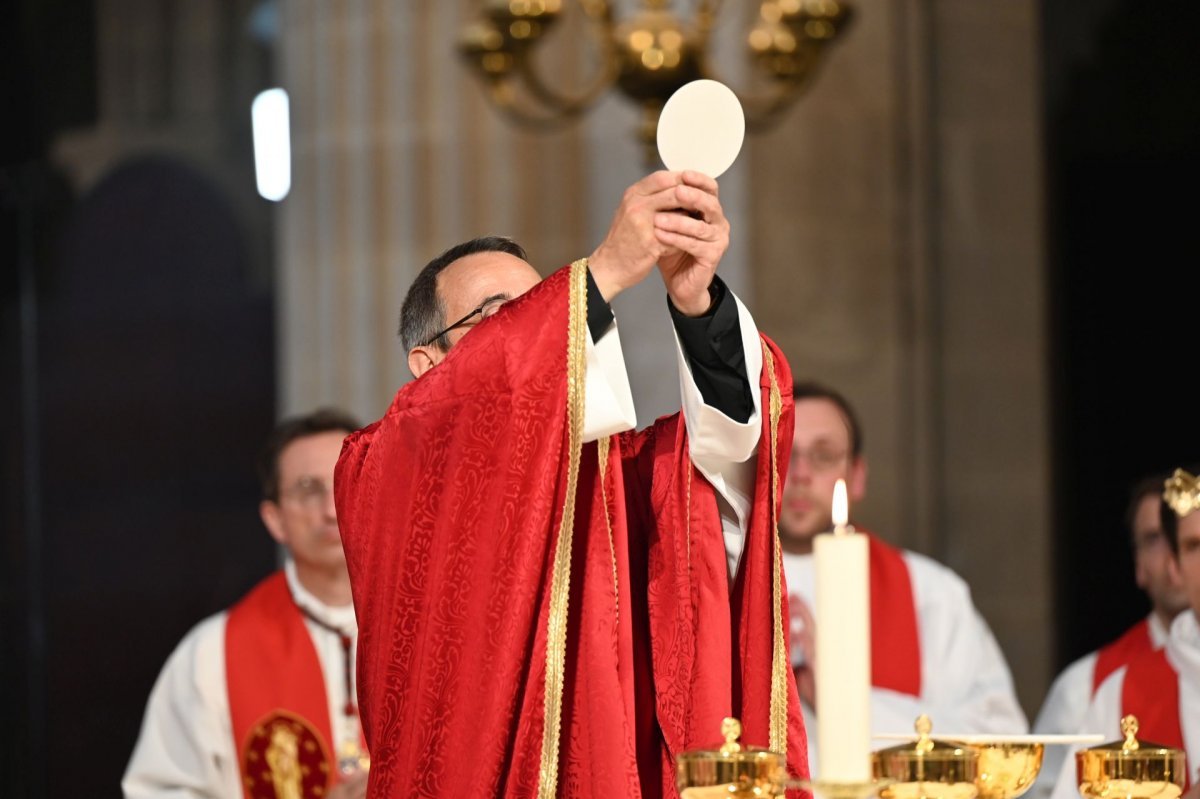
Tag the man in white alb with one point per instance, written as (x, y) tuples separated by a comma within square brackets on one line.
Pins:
[(259, 700), (1160, 687), (1072, 690), (931, 651)]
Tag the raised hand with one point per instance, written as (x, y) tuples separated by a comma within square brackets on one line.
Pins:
[(696, 241), (632, 247)]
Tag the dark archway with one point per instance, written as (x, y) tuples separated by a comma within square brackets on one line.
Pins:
[(1123, 119), (156, 389)]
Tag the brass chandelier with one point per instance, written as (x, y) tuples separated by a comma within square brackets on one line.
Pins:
[(648, 56)]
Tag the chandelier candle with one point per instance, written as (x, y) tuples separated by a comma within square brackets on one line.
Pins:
[(843, 667)]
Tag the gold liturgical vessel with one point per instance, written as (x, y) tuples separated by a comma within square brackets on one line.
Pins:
[(738, 771), (947, 769), (1007, 770), (927, 769), (1131, 769), (734, 770)]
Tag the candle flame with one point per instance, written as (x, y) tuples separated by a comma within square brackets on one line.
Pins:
[(841, 507)]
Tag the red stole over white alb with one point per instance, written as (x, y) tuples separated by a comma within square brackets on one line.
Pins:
[(277, 697), (895, 636), (1133, 643)]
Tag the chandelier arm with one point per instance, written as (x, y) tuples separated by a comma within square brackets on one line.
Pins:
[(560, 102), (763, 109), (553, 119), (599, 14)]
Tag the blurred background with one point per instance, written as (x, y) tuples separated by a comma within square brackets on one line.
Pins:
[(972, 219)]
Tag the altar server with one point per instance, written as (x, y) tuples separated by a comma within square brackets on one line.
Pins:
[(259, 701), (1160, 687), (931, 651)]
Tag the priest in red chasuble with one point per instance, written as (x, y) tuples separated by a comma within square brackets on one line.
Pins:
[(549, 603)]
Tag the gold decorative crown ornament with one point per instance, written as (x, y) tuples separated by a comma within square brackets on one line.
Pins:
[(1182, 493)]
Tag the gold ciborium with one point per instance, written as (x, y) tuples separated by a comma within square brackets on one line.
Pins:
[(1007, 769), (734, 770), (1130, 769), (927, 769)]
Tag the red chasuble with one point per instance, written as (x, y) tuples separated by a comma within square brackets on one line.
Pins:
[(1132, 643), (450, 507), (277, 699)]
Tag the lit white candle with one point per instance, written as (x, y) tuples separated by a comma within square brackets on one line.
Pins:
[(843, 667)]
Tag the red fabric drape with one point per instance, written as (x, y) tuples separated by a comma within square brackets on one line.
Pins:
[(1133, 642), (449, 507)]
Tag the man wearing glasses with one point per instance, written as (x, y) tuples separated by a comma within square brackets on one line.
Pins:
[(931, 651), (259, 700), (495, 662)]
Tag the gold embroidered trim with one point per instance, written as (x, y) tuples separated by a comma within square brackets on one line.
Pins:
[(602, 448), (779, 664), (560, 579)]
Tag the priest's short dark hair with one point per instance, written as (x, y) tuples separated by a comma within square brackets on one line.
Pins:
[(322, 420), (422, 315)]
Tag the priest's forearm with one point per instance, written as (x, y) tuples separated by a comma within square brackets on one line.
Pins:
[(716, 353)]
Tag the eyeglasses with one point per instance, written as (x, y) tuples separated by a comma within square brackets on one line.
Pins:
[(311, 492), (820, 459), (486, 308)]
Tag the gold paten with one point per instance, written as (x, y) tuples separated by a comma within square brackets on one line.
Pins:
[(1131, 769), (1007, 770), (734, 770), (928, 769), (1182, 492)]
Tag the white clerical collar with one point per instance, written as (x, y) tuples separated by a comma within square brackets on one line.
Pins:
[(341, 617), (1158, 631), (1183, 647)]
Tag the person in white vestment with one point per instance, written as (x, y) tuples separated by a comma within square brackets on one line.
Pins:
[(1069, 695), (1169, 707), (944, 660), (187, 745)]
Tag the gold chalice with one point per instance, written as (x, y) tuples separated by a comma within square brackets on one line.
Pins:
[(1130, 769), (734, 770), (927, 769), (1007, 770)]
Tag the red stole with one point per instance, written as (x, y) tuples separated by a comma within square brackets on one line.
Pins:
[(449, 509), (1150, 691), (895, 637), (1115, 654), (277, 698)]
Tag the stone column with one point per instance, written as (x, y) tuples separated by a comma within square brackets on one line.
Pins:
[(897, 249)]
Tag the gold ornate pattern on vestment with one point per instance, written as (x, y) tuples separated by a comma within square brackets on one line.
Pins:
[(779, 660), (602, 448), (284, 757), (1182, 493), (560, 577)]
